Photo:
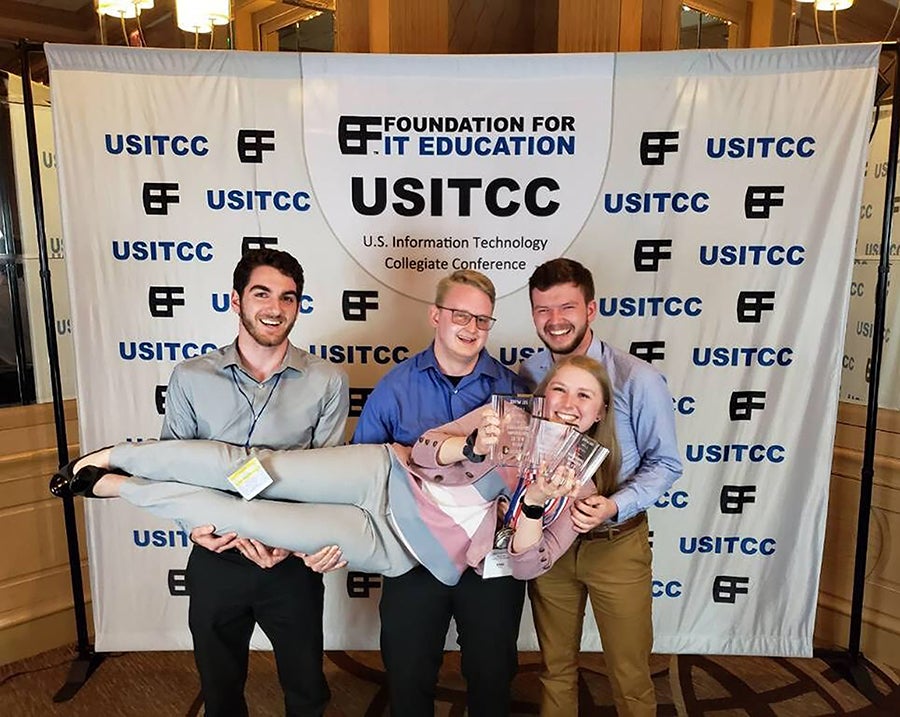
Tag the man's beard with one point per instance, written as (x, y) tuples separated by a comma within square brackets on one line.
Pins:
[(569, 347), (267, 340)]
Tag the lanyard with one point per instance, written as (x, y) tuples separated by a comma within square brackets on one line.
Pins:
[(552, 508), (254, 415)]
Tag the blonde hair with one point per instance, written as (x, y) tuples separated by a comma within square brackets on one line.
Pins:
[(467, 277), (604, 431)]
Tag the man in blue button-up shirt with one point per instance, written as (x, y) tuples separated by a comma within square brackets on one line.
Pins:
[(611, 562), (453, 376)]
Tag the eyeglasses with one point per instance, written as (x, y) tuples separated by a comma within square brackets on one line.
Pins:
[(462, 318)]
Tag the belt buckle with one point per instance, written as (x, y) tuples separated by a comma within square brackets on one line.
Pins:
[(601, 532)]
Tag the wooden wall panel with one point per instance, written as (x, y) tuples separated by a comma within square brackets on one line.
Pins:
[(770, 23), (670, 25), (351, 26), (39, 634), (881, 603), (24, 429), (660, 24), (409, 26), (491, 26), (631, 25), (588, 25), (35, 587), (546, 25)]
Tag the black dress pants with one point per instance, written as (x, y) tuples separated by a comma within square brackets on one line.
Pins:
[(229, 594), (415, 614)]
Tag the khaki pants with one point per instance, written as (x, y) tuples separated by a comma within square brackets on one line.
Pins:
[(616, 575)]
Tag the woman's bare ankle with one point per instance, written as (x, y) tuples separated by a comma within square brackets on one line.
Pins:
[(108, 486), (98, 458)]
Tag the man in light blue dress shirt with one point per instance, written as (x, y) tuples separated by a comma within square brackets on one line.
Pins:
[(611, 562)]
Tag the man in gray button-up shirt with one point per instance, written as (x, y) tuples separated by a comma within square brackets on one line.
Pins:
[(258, 391)]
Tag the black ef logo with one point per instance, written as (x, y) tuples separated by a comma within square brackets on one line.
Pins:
[(733, 498), (751, 304), (361, 585), (159, 398), (253, 243), (356, 305), (759, 200), (162, 300), (655, 146), (157, 196), (726, 588), (356, 131), (743, 403), (648, 253), (251, 143), (649, 351), (358, 397), (177, 580)]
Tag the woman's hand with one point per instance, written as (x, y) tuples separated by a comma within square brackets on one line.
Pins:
[(544, 487), (488, 433)]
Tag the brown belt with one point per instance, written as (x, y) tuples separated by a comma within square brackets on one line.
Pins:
[(610, 531)]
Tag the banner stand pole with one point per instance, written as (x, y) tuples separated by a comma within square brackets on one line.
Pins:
[(852, 664), (86, 660)]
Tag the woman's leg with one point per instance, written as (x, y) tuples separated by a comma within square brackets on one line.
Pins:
[(366, 541), (557, 604), (352, 475)]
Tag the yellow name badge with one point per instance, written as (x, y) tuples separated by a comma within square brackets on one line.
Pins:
[(250, 479)]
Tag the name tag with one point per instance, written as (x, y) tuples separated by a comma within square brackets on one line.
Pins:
[(250, 479), (497, 564)]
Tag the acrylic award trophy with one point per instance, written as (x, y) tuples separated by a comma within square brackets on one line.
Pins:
[(552, 445), (585, 457), (515, 411), (546, 446), (533, 444)]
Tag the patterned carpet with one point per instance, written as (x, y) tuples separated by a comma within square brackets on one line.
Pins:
[(164, 684)]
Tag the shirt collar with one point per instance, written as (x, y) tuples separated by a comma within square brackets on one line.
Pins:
[(596, 346), (484, 366), (294, 358)]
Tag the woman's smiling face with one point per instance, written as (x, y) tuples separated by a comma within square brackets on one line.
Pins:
[(574, 396)]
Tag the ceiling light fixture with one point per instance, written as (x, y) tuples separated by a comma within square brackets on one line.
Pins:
[(199, 16), (832, 5), (123, 9)]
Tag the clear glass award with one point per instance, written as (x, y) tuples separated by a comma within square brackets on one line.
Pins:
[(531, 442), (515, 411), (585, 457), (547, 446), (553, 445)]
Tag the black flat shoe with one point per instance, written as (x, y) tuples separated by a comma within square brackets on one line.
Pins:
[(64, 482), (59, 483)]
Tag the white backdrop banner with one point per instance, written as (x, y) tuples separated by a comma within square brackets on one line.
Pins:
[(56, 253), (714, 195), (855, 364)]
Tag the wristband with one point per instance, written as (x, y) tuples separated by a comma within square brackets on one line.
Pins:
[(532, 511), (468, 450)]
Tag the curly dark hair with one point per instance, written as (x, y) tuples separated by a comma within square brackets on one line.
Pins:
[(280, 260)]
